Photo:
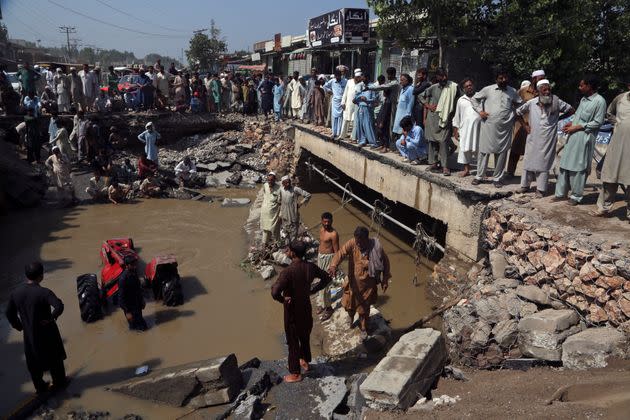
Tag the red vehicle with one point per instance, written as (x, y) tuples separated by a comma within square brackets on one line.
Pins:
[(162, 276), (113, 253), (128, 83)]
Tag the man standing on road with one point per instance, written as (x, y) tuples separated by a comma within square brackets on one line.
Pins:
[(495, 105), (130, 296), (391, 91), (307, 110), (27, 77), (420, 86), (544, 112), (29, 311), (76, 88), (328, 247), (577, 155), (466, 124), (289, 205), (439, 102), (293, 289), (368, 265), (616, 170), (270, 210)]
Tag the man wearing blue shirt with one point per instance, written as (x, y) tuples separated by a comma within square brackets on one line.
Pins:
[(410, 144)]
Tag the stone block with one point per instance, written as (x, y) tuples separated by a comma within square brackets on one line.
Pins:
[(409, 369), (498, 262), (591, 347), (505, 333), (198, 384), (533, 294), (235, 202), (541, 334)]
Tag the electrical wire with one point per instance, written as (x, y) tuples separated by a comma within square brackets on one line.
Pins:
[(113, 24), (27, 26), (122, 12)]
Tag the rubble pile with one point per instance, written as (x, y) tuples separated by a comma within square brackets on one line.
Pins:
[(541, 284)]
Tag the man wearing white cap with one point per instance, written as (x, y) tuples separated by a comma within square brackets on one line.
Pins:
[(347, 103), (544, 112), (150, 137), (289, 204), (270, 210), (518, 141), (59, 165)]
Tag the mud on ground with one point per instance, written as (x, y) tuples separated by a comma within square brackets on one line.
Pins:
[(596, 393)]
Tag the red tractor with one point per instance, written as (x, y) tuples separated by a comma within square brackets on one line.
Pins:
[(113, 253)]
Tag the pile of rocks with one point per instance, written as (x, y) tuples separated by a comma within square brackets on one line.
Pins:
[(541, 284)]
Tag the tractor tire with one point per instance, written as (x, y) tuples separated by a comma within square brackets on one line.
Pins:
[(172, 291), (89, 295)]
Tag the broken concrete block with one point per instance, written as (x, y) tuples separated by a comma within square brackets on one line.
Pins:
[(541, 334), (197, 384), (591, 347), (409, 369), (498, 262), (505, 333), (267, 272), (533, 294), (235, 202)]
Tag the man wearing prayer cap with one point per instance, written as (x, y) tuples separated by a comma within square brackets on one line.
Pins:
[(150, 137), (289, 204), (544, 112), (518, 142), (353, 87)]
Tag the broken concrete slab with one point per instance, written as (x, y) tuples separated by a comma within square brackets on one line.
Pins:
[(198, 384), (591, 347), (498, 262), (409, 370), (541, 334), (218, 179), (267, 272), (235, 202), (505, 333)]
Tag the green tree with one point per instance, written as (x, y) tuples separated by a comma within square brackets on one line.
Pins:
[(411, 21), (204, 50)]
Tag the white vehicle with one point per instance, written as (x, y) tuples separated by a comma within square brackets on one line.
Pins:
[(15, 83)]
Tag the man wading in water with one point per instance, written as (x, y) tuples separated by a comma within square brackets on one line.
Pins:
[(328, 246), (29, 311), (293, 290), (368, 266)]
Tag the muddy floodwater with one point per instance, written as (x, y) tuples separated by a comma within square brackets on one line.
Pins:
[(226, 310)]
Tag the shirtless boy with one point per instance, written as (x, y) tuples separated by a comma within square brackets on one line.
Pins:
[(328, 246)]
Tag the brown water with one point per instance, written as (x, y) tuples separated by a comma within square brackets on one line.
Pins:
[(226, 310)]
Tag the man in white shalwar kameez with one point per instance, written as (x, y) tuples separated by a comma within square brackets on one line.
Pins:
[(544, 112), (349, 107), (270, 210), (466, 124)]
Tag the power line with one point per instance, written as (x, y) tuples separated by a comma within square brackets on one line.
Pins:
[(27, 26), (112, 24), (138, 19)]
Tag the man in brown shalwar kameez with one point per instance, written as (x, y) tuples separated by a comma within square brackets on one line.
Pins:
[(293, 289), (368, 266)]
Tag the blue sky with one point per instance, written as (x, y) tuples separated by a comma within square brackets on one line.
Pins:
[(170, 23)]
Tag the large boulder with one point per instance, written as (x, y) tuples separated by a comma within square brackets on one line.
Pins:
[(408, 371), (541, 334), (591, 347), (199, 384)]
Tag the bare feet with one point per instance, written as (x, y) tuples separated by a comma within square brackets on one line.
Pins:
[(305, 365), (463, 174), (292, 377)]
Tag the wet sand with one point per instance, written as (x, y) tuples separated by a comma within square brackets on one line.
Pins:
[(226, 309)]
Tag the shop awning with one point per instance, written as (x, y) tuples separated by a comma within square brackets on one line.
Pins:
[(299, 54), (253, 67)]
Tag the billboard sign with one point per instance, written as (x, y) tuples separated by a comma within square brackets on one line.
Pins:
[(341, 26)]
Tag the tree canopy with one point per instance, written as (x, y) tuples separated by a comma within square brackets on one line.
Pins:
[(204, 50), (566, 38)]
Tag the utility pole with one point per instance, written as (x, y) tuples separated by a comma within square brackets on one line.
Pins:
[(68, 30)]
